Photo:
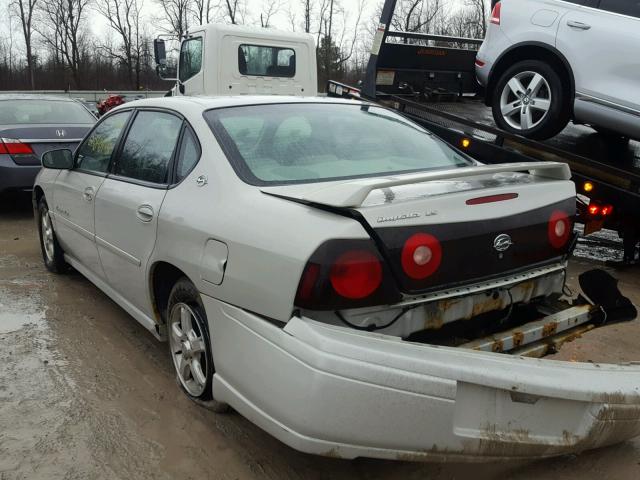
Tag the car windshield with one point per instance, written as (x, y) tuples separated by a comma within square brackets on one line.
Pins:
[(309, 142), (38, 111)]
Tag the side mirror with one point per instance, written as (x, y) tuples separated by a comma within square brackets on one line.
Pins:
[(159, 52), (58, 159)]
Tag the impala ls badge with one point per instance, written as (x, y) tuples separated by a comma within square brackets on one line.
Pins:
[(502, 242), (61, 133)]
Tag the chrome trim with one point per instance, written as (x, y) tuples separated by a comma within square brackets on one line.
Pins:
[(479, 287), (49, 140), (75, 227), (607, 103), (116, 251)]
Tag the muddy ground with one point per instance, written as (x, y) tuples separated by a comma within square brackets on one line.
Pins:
[(87, 393)]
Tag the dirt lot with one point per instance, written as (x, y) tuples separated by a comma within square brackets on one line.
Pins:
[(85, 392)]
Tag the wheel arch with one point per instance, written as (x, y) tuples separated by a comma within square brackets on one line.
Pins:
[(162, 277), (530, 51), (38, 194)]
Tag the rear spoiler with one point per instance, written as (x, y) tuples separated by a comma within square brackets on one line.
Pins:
[(353, 193)]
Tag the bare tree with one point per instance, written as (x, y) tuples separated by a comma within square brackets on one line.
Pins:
[(176, 13), (62, 29), (307, 9), (202, 11), (26, 9), (124, 18), (233, 10), (269, 9)]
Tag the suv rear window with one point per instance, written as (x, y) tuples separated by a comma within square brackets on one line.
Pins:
[(309, 142), (258, 60), (38, 111)]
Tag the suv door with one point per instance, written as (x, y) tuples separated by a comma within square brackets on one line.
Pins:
[(601, 44), (129, 200), (190, 75), (75, 191)]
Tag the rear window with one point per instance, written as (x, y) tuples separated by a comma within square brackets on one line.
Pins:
[(301, 143), (259, 60), (17, 112)]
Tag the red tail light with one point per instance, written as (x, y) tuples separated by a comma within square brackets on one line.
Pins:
[(607, 210), (15, 147), (495, 14), (356, 274), (421, 256), (594, 209), (492, 198), (345, 274), (559, 230)]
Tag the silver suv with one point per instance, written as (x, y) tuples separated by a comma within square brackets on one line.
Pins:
[(545, 62)]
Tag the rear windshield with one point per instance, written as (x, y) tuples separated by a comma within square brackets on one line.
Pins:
[(36, 111), (308, 142)]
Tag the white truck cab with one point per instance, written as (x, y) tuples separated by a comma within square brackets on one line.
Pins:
[(234, 60)]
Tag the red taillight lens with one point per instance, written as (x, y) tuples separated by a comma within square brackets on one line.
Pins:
[(308, 281), (15, 147), (606, 210), (492, 198), (495, 14), (421, 256), (356, 274), (559, 229), (594, 209)]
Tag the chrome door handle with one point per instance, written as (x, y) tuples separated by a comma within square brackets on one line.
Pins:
[(145, 213), (578, 25), (88, 194)]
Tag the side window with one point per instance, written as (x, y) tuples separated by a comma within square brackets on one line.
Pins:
[(188, 156), (149, 146), (190, 58), (260, 60), (95, 152), (625, 7)]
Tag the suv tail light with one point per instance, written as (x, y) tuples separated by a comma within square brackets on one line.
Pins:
[(421, 256), (15, 147), (495, 14), (345, 274), (560, 228)]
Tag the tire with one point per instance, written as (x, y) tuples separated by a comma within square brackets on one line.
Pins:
[(540, 113), (52, 252), (190, 344)]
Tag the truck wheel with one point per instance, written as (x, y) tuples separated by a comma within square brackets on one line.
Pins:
[(529, 100), (52, 252), (190, 344)]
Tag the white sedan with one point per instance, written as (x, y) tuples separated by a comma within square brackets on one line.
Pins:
[(338, 275)]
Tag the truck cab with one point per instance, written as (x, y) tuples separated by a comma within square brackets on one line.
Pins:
[(235, 60)]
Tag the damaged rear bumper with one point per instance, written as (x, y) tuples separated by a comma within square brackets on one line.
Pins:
[(332, 391)]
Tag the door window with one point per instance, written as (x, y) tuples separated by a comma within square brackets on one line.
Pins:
[(188, 156), (190, 58), (95, 152), (149, 146), (625, 7)]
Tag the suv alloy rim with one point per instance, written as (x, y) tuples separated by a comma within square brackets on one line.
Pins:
[(47, 235), (188, 348), (525, 100)]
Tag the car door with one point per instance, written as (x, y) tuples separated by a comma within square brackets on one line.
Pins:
[(601, 45), (190, 72), (129, 200), (75, 191)]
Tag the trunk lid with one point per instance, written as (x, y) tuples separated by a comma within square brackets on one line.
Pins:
[(486, 221), (43, 138)]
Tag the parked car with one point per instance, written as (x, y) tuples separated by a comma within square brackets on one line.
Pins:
[(290, 250), (544, 63), (112, 101), (29, 126)]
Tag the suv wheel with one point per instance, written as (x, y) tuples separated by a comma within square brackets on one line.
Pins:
[(52, 252), (529, 100), (190, 344)]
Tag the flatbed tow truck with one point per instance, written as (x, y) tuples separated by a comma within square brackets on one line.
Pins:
[(413, 73)]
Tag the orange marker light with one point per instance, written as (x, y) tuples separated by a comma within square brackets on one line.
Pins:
[(466, 143), (587, 187)]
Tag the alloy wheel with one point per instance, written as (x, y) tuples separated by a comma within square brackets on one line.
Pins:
[(525, 100), (188, 348), (47, 235)]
